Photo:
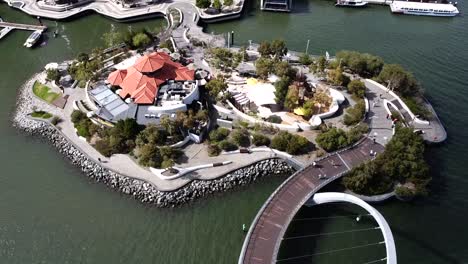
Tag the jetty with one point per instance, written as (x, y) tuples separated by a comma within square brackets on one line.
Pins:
[(7, 27)]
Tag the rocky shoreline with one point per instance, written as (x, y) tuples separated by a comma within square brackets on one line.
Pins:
[(140, 190)]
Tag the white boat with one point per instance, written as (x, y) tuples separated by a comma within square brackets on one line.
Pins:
[(33, 39), (424, 9), (351, 3)]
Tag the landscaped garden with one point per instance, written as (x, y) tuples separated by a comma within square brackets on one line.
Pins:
[(44, 92)]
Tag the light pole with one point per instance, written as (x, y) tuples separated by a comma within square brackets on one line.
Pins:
[(307, 47)]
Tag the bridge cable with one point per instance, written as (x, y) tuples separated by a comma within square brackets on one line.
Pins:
[(331, 251), (329, 217), (375, 261), (333, 233)]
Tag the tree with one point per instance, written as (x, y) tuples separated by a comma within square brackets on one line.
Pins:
[(217, 4), (399, 79), (203, 3), (216, 87), (213, 150), (283, 69), (82, 57), (292, 98), (336, 77), (141, 40), (305, 59), (281, 90), (263, 67), (293, 144), (112, 38), (278, 48), (355, 114), (320, 65), (222, 58), (332, 139), (53, 75), (228, 2), (265, 49), (151, 135), (149, 156), (357, 88)]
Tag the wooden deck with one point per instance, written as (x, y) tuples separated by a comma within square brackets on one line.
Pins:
[(264, 238)]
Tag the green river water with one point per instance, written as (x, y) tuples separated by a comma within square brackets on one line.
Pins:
[(51, 213)]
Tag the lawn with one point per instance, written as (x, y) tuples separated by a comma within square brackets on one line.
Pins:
[(43, 92), (41, 114)]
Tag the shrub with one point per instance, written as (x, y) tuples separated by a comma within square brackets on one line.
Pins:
[(103, 147), (404, 192), (219, 134), (292, 144), (261, 140), (141, 40), (213, 150), (55, 120), (332, 140), (228, 2), (52, 75), (357, 88), (417, 108), (227, 145), (355, 114), (203, 3), (274, 119), (241, 137), (77, 116), (167, 163)]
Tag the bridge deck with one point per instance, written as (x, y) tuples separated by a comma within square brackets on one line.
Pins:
[(266, 234), (22, 26)]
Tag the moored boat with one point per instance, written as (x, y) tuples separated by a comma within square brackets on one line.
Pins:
[(33, 39), (424, 9), (351, 3)]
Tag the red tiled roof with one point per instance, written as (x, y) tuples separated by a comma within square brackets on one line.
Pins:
[(149, 64), (159, 68), (116, 77)]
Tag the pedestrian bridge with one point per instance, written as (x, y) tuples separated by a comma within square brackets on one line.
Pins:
[(263, 240)]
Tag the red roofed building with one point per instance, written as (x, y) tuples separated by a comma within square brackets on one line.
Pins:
[(142, 80), (116, 77)]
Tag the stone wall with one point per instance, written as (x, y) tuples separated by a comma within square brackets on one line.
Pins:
[(141, 190)]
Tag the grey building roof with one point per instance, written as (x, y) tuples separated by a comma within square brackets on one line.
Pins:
[(112, 107)]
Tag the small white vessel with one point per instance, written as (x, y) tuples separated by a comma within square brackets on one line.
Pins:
[(33, 39), (351, 3), (424, 9)]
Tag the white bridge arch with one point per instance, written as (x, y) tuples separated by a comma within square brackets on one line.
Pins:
[(332, 197)]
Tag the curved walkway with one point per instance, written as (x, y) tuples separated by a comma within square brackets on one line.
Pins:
[(267, 230), (332, 197)]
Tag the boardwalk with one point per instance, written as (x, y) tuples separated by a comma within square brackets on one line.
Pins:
[(22, 26), (264, 238)]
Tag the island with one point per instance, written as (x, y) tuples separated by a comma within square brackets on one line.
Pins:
[(172, 116)]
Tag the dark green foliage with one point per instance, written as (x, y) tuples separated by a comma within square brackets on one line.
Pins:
[(53, 75), (241, 137), (281, 90), (103, 147), (77, 116), (333, 139), (55, 120), (402, 161), (336, 77), (227, 145), (305, 59), (216, 87), (261, 140), (203, 3), (276, 49), (157, 157), (213, 150), (399, 80), (219, 134), (151, 135), (283, 69), (217, 4), (357, 88), (364, 64), (355, 114), (263, 67), (417, 108), (292, 144), (274, 119)]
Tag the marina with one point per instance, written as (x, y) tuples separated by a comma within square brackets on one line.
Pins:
[(7, 27)]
